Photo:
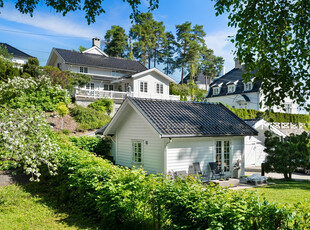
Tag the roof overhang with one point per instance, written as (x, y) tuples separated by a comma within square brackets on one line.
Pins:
[(96, 49), (153, 70), (267, 125)]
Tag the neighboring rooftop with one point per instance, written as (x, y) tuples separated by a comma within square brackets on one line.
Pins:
[(199, 79), (232, 77), (95, 60), (186, 119), (252, 122), (14, 51)]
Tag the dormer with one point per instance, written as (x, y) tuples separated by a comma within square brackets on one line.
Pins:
[(231, 86), (216, 89), (249, 85)]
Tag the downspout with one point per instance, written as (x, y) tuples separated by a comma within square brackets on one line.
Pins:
[(166, 156)]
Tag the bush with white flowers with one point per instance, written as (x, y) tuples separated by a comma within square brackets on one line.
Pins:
[(25, 138), (20, 92)]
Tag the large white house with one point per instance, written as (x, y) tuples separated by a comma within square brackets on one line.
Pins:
[(230, 89), (112, 77), (164, 136)]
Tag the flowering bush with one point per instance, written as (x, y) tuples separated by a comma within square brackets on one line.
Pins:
[(21, 92), (25, 138)]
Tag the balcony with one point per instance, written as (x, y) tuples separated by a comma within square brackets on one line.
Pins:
[(117, 95)]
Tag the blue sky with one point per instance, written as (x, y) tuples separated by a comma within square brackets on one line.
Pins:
[(47, 29)]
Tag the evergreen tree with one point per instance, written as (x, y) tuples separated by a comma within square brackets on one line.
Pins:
[(116, 41), (166, 53)]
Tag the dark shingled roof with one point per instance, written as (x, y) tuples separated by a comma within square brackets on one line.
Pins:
[(178, 118), (14, 51), (87, 59), (199, 79), (232, 76)]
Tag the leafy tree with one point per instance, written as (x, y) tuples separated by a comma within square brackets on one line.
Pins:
[(32, 67), (62, 111), (91, 8), (273, 38), (146, 32), (190, 40), (26, 139), (103, 105), (82, 49), (166, 53), (5, 53), (116, 41), (7, 70), (285, 156)]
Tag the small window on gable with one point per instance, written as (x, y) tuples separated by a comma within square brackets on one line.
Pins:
[(143, 87), (159, 88), (231, 89), (248, 86), (216, 91)]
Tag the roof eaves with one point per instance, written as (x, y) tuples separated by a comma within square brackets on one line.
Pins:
[(204, 135)]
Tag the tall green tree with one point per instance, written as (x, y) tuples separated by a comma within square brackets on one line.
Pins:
[(166, 53), (116, 41), (273, 38), (146, 32), (190, 40), (5, 53)]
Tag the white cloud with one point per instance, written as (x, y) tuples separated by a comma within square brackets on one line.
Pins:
[(55, 24), (219, 42)]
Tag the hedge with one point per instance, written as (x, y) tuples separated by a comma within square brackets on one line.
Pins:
[(271, 116), (122, 198)]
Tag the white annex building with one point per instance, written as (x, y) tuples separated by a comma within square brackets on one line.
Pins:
[(112, 77), (230, 89)]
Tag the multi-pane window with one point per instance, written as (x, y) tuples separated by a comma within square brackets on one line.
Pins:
[(248, 86), (90, 86), (288, 107), (218, 156), (226, 156), (159, 88), (216, 91), (222, 155), (231, 88), (108, 87), (137, 152), (83, 69), (126, 85), (143, 87)]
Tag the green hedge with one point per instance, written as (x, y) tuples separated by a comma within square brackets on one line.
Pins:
[(92, 144), (121, 198), (270, 116)]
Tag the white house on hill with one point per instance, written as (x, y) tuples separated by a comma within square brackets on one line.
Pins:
[(230, 89), (112, 77), (164, 136), (19, 57)]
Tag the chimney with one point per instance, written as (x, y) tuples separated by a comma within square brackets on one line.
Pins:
[(238, 64), (96, 42)]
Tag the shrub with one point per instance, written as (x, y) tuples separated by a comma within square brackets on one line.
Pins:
[(89, 118), (66, 131), (92, 144), (125, 198), (102, 105)]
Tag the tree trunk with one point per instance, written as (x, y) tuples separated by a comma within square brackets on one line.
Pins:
[(149, 59), (154, 57), (167, 71), (183, 62), (62, 123)]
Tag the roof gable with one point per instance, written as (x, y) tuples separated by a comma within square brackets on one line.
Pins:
[(14, 51), (95, 50), (188, 119), (161, 74)]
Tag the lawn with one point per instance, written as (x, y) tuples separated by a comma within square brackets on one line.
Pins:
[(22, 208), (283, 191)]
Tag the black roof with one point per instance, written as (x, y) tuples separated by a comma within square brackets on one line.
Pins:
[(199, 79), (14, 51), (233, 76), (87, 59), (186, 119)]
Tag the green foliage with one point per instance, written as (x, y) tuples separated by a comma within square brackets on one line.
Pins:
[(116, 39), (32, 67), (93, 144), (62, 109), (82, 49), (7, 70), (4, 53), (271, 38), (66, 131), (123, 198), (102, 105), (188, 90), (89, 118), (287, 155), (20, 92), (168, 48)]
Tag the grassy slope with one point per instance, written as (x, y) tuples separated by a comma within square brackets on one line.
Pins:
[(283, 191), (22, 208)]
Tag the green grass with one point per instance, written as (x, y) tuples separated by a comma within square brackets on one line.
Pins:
[(23, 207), (284, 191)]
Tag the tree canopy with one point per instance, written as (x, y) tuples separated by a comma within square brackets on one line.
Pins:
[(273, 37), (116, 41)]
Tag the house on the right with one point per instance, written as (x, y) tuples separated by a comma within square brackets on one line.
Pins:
[(232, 90)]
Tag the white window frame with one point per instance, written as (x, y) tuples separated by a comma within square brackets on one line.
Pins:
[(288, 107), (248, 86), (83, 69), (160, 88), (222, 169), (143, 86), (231, 88), (135, 148), (216, 90)]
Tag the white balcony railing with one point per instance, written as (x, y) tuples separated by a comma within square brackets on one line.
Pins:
[(117, 95)]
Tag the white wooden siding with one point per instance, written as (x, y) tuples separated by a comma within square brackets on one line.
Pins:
[(134, 127)]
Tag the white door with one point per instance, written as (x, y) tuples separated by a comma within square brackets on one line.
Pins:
[(222, 156)]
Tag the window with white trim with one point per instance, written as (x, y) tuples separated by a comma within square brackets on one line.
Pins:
[(231, 89), (143, 87), (90, 86), (159, 88), (83, 69), (108, 87), (137, 152), (248, 86), (288, 107), (216, 91)]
